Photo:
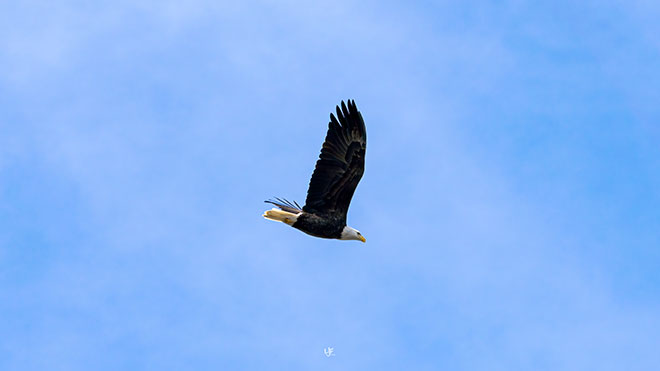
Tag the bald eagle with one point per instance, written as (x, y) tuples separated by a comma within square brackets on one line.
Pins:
[(338, 172)]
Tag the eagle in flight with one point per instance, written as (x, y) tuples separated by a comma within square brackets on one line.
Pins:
[(338, 172)]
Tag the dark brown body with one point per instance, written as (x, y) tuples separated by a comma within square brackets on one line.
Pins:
[(320, 226)]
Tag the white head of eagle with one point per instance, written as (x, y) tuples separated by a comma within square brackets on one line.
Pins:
[(349, 233), (336, 176)]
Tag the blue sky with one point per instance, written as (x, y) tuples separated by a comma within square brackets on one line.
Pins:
[(510, 201)]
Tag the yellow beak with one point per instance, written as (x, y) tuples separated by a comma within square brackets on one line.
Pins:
[(362, 238)]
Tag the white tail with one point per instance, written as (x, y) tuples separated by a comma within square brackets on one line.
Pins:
[(281, 216)]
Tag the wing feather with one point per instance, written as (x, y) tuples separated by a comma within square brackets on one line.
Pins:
[(340, 165), (285, 205)]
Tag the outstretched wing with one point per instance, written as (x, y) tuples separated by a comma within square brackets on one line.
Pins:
[(341, 164)]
